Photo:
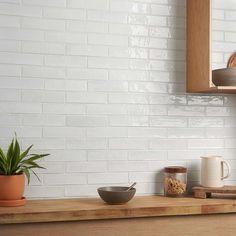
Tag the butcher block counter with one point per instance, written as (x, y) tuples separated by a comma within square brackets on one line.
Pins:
[(149, 215)]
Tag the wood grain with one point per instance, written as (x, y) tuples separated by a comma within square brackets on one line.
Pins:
[(198, 45), (205, 225), (95, 209), (205, 192)]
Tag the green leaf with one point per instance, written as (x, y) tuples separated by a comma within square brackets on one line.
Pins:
[(27, 174), (15, 162), (15, 156), (9, 157), (25, 153), (36, 176)]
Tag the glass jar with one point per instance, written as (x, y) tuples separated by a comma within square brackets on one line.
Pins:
[(175, 181)]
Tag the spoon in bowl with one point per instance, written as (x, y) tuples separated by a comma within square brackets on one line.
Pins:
[(131, 186)]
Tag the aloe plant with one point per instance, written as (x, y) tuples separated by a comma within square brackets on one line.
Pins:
[(15, 162)]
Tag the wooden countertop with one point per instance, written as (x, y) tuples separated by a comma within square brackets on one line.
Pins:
[(95, 209)]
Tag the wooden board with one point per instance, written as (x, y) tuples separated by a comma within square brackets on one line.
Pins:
[(198, 45), (204, 192), (95, 209), (205, 225)]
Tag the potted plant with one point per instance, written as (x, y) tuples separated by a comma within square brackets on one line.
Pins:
[(14, 166)]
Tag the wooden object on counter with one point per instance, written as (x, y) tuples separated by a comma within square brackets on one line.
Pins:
[(204, 192), (96, 209)]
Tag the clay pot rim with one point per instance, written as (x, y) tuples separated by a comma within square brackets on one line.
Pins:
[(11, 175)]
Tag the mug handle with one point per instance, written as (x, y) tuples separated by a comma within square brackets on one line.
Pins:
[(229, 170)]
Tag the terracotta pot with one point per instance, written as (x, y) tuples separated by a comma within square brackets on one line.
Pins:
[(12, 187)]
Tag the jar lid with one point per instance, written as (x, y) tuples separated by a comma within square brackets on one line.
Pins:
[(175, 169)]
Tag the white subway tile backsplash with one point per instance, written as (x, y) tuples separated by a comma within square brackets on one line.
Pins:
[(10, 46), (62, 37), (87, 144), (21, 34), (66, 132), (10, 70), (86, 97), (186, 133), (89, 166), (128, 143), (86, 121), (60, 13), (107, 86), (59, 108), (18, 107), (88, 4), (74, 61), (106, 132), (87, 50), (10, 119), (9, 21), (50, 144), (205, 143), (128, 75), (20, 58), (105, 178), (118, 120), (42, 47), (186, 111), (10, 9), (128, 98), (66, 85), (149, 155), (104, 63), (167, 121), (167, 144), (29, 83), (108, 39), (43, 120), (206, 122), (147, 132), (126, 6), (106, 109), (87, 74), (42, 24), (43, 72), (64, 179), (45, 191), (147, 42), (123, 29), (10, 94), (151, 87), (86, 26), (106, 16), (100, 85), (52, 3)]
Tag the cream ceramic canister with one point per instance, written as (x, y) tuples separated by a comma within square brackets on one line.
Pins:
[(212, 171)]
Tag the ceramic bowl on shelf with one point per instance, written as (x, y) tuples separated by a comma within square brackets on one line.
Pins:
[(116, 195), (224, 77)]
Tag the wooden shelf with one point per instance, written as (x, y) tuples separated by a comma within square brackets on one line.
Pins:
[(217, 89), (95, 209), (199, 40)]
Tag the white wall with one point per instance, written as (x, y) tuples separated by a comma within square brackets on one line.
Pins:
[(100, 84), (224, 32)]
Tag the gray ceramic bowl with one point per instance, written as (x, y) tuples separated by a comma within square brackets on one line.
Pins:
[(224, 77), (116, 195)]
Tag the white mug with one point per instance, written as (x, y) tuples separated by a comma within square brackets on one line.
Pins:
[(212, 171)]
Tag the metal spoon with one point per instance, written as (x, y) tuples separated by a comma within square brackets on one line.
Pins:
[(131, 186)]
